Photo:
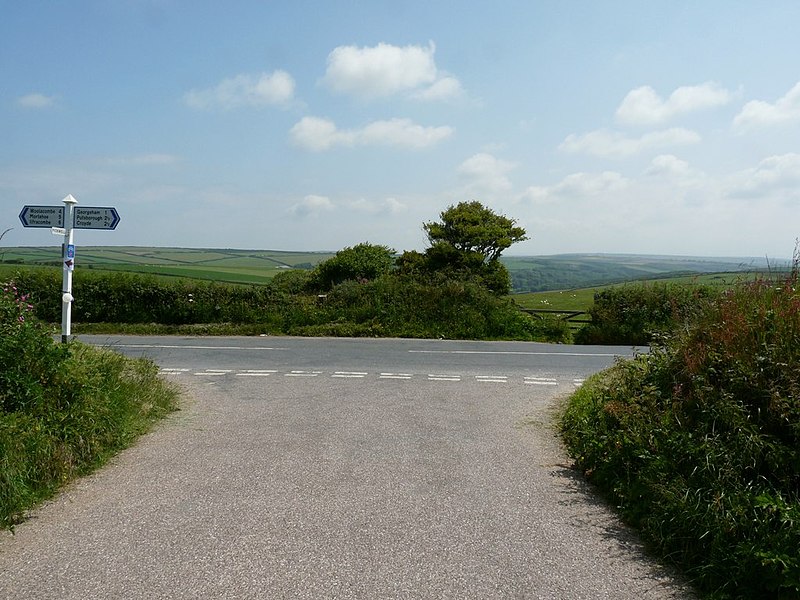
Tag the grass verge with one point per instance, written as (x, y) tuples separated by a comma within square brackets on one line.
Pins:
[(65, 409)]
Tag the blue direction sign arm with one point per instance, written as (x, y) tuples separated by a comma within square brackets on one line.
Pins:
[(42, 216), (95, 217)]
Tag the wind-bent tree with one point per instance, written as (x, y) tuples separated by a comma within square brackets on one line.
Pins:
[(471, 228), (469, 240)]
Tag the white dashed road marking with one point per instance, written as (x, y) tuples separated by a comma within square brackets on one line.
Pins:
[(434, 377), (541, 381), (256, 373), (303, 374), (492, 378), (396, 376), (170, 371), (528, 380)]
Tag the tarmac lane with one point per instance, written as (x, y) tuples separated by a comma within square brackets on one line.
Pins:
[(360, 486)]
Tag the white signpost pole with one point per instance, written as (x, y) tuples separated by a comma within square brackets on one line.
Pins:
[(85, 217), (68, 264)]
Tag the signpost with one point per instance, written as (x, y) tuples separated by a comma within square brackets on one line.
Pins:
[(42, 216), (95, 217), (62, 220)]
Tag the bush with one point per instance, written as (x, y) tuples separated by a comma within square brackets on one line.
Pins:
[(408, 306), (399, 303), (29, 360), (698, 443), (635, 314), (64, 409), (136, 298), (361, 262)]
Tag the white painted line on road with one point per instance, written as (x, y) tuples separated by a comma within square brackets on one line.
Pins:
[(256, 373), (173, 346), (349, 374), (396, 376), (512, 352), (303, 374), (173, 371), (492, 378), (578, 382), (434, 377), (541, 381), (214, 372)]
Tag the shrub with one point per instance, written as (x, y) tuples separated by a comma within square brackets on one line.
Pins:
[(399, 303), (698, 443), (64, 408), (635, 314), (294, 281), (136, 298), (361, 262), (407, 306), (29, 360)]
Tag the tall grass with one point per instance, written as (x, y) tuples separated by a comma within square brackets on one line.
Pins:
[(698, 443), (64, 409)]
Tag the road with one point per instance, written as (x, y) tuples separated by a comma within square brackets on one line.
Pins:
[(337, 468)]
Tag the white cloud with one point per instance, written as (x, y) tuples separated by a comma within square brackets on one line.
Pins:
[(381, 70), (314, 133), (643, 106), (759, 113), (402, 132), (36, 101), (266, 89), (392, 206), (385, 70), (678, 180), (395, 206), (613, 144), (775, 176), (667, 164), (317, 134), (312, 206), (446, 88), (487, 173), (580, 186)]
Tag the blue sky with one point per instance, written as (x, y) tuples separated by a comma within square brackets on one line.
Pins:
[(617, 127)]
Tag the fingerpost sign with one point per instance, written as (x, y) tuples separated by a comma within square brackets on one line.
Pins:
[(62, 220)]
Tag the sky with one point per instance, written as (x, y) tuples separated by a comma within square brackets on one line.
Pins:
[(644, 127)]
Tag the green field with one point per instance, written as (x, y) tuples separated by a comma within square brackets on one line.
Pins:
[(563, 282), (228, 266), (581, 299), (574, 271)]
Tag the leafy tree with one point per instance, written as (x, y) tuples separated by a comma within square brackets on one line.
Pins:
[(468, 242), (471, 228), (364, 261)]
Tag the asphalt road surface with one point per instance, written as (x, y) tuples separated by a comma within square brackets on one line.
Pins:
[(337, 468)]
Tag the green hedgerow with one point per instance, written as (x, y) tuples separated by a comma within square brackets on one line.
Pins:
[(698, 442)]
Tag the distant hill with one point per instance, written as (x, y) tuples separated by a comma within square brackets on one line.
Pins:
[(528, 273), (571, 271)]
